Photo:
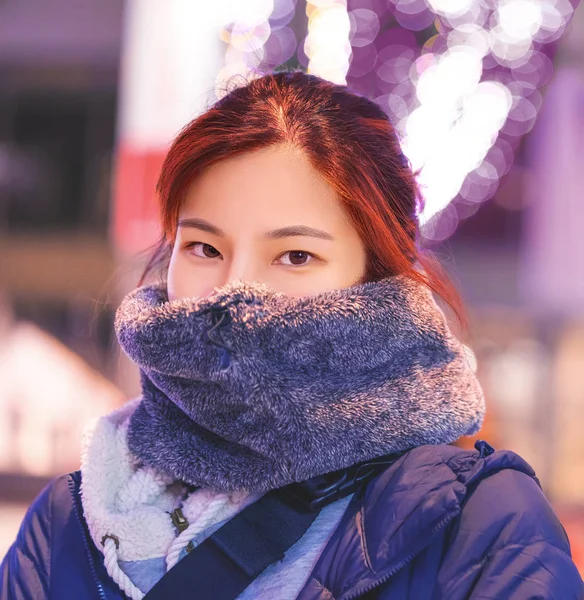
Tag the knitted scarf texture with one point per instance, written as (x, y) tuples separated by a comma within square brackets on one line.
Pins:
[(249, 389)]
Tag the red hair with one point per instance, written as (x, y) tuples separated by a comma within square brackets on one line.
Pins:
[(348, 139)]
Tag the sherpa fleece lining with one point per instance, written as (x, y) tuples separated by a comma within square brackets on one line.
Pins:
[(133, 502)]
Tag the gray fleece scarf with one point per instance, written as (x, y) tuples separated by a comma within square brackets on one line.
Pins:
[(249, 389)]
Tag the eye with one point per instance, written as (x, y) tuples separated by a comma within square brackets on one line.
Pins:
[(297, 258), (203, 250)]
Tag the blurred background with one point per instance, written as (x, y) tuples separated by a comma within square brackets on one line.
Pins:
[(488, 97)]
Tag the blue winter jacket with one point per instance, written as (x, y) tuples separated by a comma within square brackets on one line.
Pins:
[(440, 523)]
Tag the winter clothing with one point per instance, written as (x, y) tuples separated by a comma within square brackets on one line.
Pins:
[(248, 389), (441, 523), (132, 502)]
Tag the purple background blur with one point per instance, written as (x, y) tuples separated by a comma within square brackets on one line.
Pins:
[(515, 246)]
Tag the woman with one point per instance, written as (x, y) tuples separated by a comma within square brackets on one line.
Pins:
[(294, 334)]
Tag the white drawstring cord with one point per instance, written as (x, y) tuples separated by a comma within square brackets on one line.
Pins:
[(211, 512), (203, 519), (110, 553), (111, 543), (178, 544)]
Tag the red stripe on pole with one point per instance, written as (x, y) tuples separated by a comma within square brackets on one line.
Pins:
[(135, 219)]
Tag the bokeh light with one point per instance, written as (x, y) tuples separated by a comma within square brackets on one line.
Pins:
[(327, 44), (246, 29), (280, 46), (413, 15), (459, 78), (282, 13), (364, 27), (475, 83), (451, 7)]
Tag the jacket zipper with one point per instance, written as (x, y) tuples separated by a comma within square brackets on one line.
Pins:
[(403, 563), (100, 589)]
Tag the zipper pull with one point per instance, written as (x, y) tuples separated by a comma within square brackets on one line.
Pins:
[(179, 520)]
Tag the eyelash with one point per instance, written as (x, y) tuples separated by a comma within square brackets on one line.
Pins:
[(313, 257)]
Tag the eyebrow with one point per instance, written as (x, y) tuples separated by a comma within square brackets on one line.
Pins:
[(276, 234)]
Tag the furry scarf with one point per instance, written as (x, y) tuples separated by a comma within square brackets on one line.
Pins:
[(249, 389)]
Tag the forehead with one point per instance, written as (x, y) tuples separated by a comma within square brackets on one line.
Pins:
[(272, 184)]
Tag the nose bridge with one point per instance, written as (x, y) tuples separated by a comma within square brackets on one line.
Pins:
[(243, 266)]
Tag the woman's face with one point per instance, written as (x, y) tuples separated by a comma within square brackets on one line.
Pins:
[(269, 217)]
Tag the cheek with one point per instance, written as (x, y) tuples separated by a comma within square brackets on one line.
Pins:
[(184, 281), (181, 280), (173, 278), (355, 261)]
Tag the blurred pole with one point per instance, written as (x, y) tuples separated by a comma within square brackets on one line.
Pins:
[(553, 245), (551, 277), (170, 58)]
